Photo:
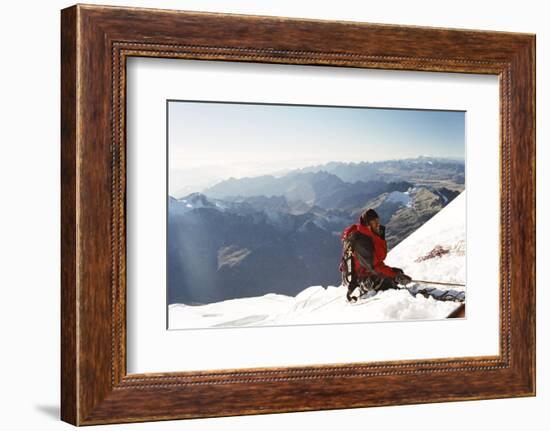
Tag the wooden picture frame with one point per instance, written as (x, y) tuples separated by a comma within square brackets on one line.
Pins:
[(95, 43)]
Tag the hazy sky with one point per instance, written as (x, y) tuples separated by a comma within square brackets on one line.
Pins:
[(209, 142)]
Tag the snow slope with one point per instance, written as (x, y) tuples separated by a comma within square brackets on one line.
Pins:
[(435, 252)]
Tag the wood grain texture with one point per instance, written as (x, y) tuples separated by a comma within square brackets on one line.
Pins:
[(69, 365), (96, 41)]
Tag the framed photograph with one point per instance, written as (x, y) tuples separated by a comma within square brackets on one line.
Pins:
[(262, 196), (265, 214)]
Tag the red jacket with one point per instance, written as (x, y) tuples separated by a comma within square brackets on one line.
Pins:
[(379, 254)]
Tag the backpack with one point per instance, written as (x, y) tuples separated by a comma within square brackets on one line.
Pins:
[(347, 264)]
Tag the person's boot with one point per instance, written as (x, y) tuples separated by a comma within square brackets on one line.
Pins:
[(351, 298)]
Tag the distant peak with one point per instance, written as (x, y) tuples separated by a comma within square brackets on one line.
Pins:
[(196, 199)]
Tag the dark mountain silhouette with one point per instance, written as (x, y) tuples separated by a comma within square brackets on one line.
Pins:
[(215, 255), (315, 188)]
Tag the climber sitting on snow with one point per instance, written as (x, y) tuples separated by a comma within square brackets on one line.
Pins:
[(364, 251)]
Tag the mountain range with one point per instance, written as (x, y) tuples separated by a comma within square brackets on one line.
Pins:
[(251, 236)]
